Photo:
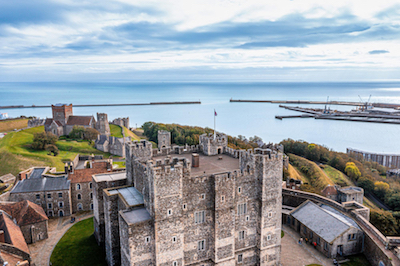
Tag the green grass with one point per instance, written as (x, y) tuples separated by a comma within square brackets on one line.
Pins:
[(78, 247), (368, 203), (337, 177), (282, 233), (17, 155), (119, 164), (314, 264), (116, 131), (10, 125), (356, 260), (297, 174)]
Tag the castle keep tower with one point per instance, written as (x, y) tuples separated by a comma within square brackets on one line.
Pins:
[(164, 139), (61, 112), (211, 146), (102, 124)]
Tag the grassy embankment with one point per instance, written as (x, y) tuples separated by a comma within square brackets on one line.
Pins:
[(116, 131), (78, 247), (317, 180), (10, 125), (17, 155)]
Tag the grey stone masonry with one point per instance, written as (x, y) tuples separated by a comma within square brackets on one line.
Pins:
[(211, 146), (227, 211), (164, 139)]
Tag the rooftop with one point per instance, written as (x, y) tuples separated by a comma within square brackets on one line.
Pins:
[(136, 216), (109, 177), (324, 221), (37, 172), (85, 174), (348, 190), (130, 194), (12, 233), (209, 164), (80, 120), (25, 212), (41, 184)]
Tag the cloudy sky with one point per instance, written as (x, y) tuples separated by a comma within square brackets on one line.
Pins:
[(43, 40)]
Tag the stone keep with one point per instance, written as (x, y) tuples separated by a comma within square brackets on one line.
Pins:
[(211, 146), (164, 139), (102, 124), (222, 218)]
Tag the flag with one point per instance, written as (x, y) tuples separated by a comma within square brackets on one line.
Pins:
[(215, 113)]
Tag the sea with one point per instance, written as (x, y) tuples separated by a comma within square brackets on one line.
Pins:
[(247, 119)]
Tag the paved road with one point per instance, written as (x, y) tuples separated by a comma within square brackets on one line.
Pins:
[(41, 251)]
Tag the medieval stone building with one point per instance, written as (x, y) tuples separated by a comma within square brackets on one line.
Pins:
[(122, 122), (218, 210), (63, 121), (164, 139), (113, 145)]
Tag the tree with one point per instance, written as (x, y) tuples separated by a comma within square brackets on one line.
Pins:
[(90, 133), (381, 188), (352, 171), (51, 148), (77, 132), (366, 183), (41, 139), (384, 221)]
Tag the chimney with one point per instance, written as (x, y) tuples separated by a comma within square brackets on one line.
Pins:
[(66, 168), (195, 160), (2, 240)]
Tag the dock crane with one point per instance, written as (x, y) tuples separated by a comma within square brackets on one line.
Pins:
[(364, 106), (327, 101)]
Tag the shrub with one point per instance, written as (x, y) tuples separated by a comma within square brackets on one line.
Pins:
[(42, 139)]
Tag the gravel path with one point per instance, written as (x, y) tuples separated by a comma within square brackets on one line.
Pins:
[(41, 251)]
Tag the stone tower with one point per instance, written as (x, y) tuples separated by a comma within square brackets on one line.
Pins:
[(164, 139), (211, 146), (61, 112), (102, 124)]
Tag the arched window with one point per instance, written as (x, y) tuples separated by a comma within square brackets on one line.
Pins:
[(90, 185), (80, 206), (248, 169), (91, 195), (61, 213), (79, 196), (78, 186)]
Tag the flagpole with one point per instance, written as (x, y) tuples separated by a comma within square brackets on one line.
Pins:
[(214, 123)]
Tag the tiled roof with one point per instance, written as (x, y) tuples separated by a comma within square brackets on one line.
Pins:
[(24, 212), (85, 175), (10, 258), (329, 190), (101, 140), (48, 121), (41, 184), (12, 233), (80, 120), (7, 178), (58, 123)]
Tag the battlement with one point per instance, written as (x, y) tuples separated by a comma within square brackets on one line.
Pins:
[(258, 152), (211, 146), (175, 149), (169, 164), (139, 149)]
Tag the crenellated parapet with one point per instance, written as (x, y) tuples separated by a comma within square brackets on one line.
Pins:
[(175, 149), (141, 150), (213, 146)]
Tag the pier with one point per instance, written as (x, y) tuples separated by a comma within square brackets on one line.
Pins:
[(378, 105), (97, 105)]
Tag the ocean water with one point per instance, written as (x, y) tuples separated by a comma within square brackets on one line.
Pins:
[(246, 119)]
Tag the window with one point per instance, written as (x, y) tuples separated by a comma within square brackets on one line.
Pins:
[(91, 195), (169, 212), (173, 239), (201, 245), (199, 217), (239, 189), (242, 208), (223, 198), (240, 258), (37, 196), (203, 196), (79, 196), (304, 230), (241, 235), (60, 195), (184, 206), (49, 196), (175, 263), (247, 218), (326, 246), (311, 234), (90, 185), (50, 213), (268, 237), (49, 205), (79, 206), (147, 239), (349, 237), (269, 214), (318, 241), (78, 186), (91, 206), (354, 236), (61, 204), (60, 213)]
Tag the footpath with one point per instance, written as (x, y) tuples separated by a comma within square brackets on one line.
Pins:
[(57, 227)]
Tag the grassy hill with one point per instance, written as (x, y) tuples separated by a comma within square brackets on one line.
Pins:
[(116, 131), (16, 153), (10, 125), (336, 176), (317, 178), (296, 174)]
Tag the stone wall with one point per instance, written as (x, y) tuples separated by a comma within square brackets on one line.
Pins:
[(35, 232), (211, 146), (86, 196)]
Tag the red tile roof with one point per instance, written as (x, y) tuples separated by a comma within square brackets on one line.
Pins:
[(85, 175), (10, 258), (329, 190), (12, 233), (24, 212), (48, 121), (80, 120)]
